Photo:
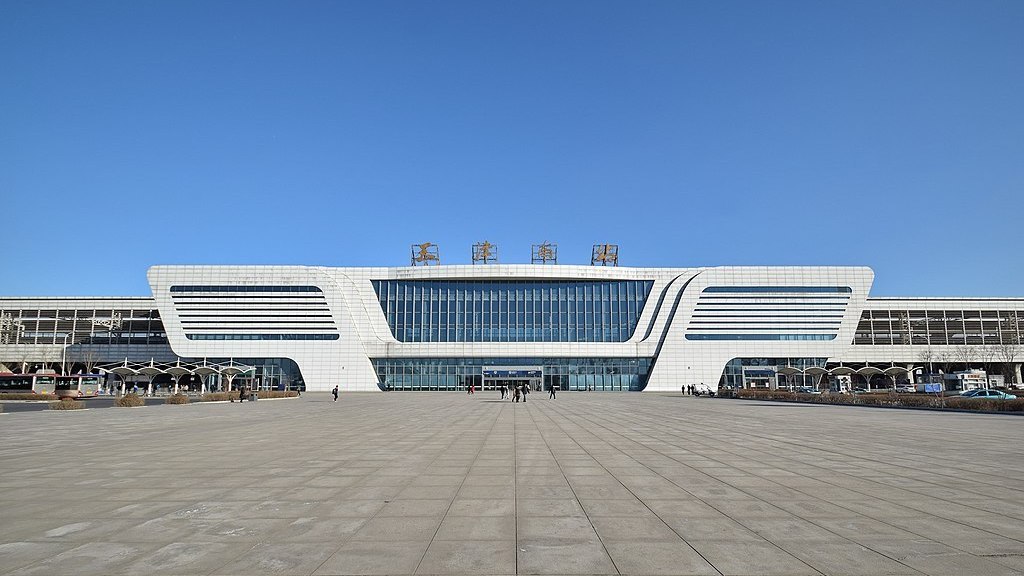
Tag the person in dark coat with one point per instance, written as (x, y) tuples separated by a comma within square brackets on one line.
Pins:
[(241, 393), (335, 392), (551, 396)]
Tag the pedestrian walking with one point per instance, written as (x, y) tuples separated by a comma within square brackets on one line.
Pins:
[(526, 390), (502, 391), (551, 396), (515, 393), (335, 392), (241, 394)]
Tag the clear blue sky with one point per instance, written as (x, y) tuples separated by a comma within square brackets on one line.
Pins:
[(887, 134)]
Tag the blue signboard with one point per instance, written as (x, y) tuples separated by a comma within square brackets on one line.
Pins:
[(513, 373)]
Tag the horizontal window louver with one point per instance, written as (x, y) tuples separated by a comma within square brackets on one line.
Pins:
[(770, 313), (253, 312)]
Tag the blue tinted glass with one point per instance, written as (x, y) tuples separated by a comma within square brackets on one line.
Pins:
[(520, 311)]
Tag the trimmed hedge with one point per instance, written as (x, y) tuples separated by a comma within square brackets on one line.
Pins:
[(888, 399), (177, 399), (129, 401), (67, 404)]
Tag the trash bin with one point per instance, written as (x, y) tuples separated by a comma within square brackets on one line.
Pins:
[(253, 396)]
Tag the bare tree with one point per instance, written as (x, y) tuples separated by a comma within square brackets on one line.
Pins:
[(51, 358), (1008, 353), (927, 356), (90, 359), (965, 354), (987, 354)]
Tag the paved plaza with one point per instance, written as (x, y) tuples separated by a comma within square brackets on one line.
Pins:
[(445, 483)]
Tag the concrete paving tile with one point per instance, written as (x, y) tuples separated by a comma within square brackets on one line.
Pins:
[(325, 530), (352, 508), (618, 528), (481, 507), (594, 492), (477, 528), (251, 530), (694, 528), (562, 528), (428, 492), (18, 554), (632, 508), (791, 528), (1014, 561), (531, 491), (88, 531), (554, 556), (689, 507), (414, 508), (685, 459), (548, 507), (186, 558), (89, 559), (282, 509), (280, 559), (638, 557), (382, 557), (862, 528), (750, 557), (957, 564), (167, 529), (407, 529), (469, 557), (844, 558), (483, 491)]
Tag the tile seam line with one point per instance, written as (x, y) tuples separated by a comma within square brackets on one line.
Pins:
[(791, 443), (648, 507), (383, 464), (805, 519), (829, 470), (573, 490), (476, 457)]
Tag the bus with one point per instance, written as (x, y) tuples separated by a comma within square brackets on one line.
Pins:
[(89, 384)]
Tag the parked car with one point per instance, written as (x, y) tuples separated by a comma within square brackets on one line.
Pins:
[(988, 395), (906, 389), (807, 390)]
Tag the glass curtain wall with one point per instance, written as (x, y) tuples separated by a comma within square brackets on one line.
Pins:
[(940, 327), (449, 374), (733, 375), (512, 310)]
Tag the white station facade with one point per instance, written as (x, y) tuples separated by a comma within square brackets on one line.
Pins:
[(572, 327)]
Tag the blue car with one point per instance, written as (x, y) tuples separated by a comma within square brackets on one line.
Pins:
[(988, 395)]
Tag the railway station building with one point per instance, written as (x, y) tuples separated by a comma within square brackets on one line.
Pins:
[(577, 328)]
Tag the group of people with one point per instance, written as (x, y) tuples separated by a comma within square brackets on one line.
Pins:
[(519, 391), (692, 390)]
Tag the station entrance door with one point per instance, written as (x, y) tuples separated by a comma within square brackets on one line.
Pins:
[(495, 377)]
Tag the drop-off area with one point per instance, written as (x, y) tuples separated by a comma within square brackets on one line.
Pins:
[(447, 483)]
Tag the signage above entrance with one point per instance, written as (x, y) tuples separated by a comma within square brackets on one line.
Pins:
[(513, 373)]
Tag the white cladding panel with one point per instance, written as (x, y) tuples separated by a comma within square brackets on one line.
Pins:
[(348, 305)]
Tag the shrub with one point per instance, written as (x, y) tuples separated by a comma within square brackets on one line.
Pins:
[(889, 399), (67, 404), (177, 399), (129, 401)]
